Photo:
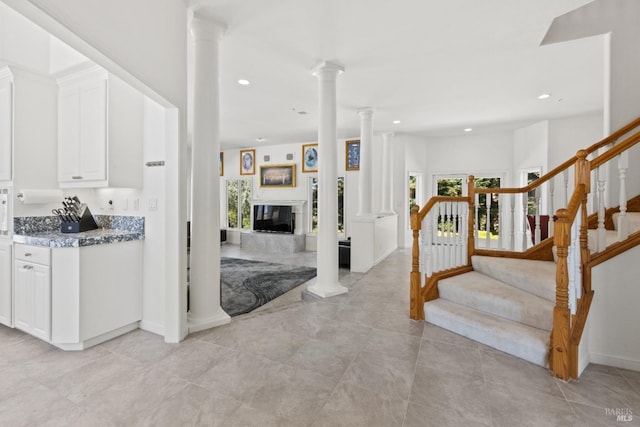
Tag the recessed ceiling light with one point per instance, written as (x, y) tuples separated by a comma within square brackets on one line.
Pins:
[(261, 139), (396, 122), (468, 130), (302, 113), (544, 96), (244, 82)]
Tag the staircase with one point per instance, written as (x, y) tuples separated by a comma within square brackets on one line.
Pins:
[(504, 303), (525, 296)]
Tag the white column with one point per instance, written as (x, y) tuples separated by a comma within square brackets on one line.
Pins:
[(387, 184), (326, 284), (366, 163), (205, 309)]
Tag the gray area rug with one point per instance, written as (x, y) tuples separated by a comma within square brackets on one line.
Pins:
[(246, 285)]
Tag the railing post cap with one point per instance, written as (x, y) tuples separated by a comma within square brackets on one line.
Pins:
[(562, 213), (415, 209), (582, 154)]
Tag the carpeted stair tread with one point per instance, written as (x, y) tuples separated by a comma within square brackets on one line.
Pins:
[(511, 337), (489, 295), (535, 277), (633, 221), (592, 238)]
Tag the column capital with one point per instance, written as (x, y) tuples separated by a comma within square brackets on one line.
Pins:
[(365, 112), (327, 69), (205, 26)]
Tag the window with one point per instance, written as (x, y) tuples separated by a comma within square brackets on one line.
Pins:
[(313, 205), (239, 203), (532, 202), (415, 193)]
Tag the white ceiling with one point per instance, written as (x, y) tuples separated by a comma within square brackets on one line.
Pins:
[(438, 66)]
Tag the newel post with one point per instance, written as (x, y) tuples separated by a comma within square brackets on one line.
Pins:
[(561, 314), (416, 304), (471, 192), (583, 176)]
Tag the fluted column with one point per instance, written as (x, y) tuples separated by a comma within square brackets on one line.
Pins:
[(365, 178), (387, 183), (205, 309), (326, 283)]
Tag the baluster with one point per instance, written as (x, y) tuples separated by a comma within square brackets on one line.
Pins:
[(538, 202), (487, 226), (437, 259), (464, 232), (454, 226), (512, 243), (565, 178), (447, 237), (622, 226), (525, 222), (476, 226), (427, 229), (501, 243), (601, 244), (551, 209)]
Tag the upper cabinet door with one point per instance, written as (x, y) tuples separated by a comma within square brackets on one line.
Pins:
[(69, 134), (6, 130), (82, 131), (93, 130)]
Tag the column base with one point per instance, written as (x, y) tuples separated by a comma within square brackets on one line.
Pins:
[(200, 324), (326, 291)]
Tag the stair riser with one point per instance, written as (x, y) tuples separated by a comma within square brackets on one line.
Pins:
[(534, 350), (538, 280), (536, 315)]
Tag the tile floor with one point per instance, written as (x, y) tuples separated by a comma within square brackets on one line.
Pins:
[(352, 360)]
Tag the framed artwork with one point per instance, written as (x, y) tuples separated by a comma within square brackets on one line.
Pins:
[(278, 175), (352, 155), (310, 158), (221, 163), (247, 162)]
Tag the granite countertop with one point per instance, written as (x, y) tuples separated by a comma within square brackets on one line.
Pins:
[(45, 231)]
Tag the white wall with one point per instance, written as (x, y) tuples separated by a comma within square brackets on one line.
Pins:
[(530, 148), (22, 42), (278, 155), (411, 156), (613, 320), (566, 137)]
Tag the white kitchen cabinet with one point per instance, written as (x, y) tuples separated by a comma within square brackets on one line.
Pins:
[(6, 284), (6, 127), (28, 122), (96, 293), (100, 131), (32, 291)]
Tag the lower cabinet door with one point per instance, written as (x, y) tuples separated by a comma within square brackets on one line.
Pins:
[(6, 285), (41, 303), (22, 296), (32, 299)]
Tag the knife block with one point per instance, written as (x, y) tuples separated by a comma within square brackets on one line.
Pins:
[(86, 223)]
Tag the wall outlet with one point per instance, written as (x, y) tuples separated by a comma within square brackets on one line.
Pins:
[(125, 205), (153, 203), (136, 204)]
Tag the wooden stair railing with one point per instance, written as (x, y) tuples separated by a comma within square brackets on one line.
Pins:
[(567, 327)]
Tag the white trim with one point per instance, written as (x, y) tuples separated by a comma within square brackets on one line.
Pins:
[(615, 361)]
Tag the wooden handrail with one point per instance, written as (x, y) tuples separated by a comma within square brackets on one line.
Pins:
[(615, 151), (435, 199), (614, 136), (560, 168)]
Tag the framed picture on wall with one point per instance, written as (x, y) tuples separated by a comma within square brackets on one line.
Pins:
[(310, 158), (221, 163), (278, 176), (247, 162), (352, 155)]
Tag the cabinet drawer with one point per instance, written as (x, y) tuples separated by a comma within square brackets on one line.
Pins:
[(35, 254)]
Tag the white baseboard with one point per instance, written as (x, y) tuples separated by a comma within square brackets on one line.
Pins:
[(153, 327), (615, 361)]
